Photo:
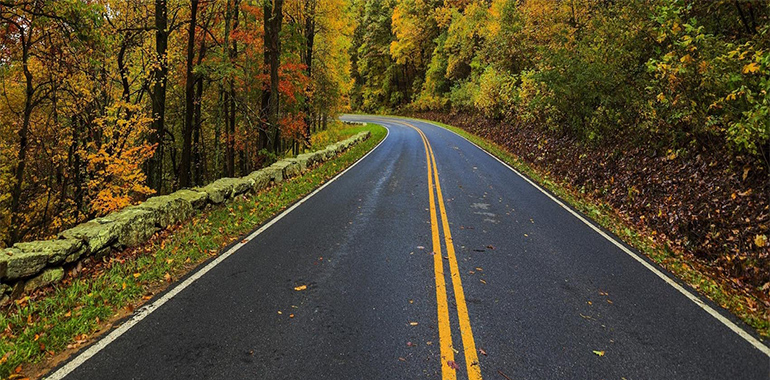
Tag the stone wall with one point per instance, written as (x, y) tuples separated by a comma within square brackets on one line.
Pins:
[(30, 265)]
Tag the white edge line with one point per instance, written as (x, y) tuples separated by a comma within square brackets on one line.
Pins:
[(730, 324), (146, 310)]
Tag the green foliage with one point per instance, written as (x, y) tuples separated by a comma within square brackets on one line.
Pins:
[(676, 72)]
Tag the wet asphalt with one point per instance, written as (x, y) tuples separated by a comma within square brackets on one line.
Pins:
[(545, 293)]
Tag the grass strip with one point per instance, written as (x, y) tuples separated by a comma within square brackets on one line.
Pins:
[(68, 316), (684, 266)]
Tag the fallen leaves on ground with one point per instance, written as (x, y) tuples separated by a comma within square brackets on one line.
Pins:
[(599, 353), (300, 288), (453, 365)]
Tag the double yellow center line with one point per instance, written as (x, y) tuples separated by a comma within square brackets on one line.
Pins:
[(444, 330)]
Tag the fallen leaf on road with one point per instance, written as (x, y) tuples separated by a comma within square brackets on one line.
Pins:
[(599, 353), (760, 240), (481, 351), (409, 344), (483, 282), (420, 247), (413, 323), (453, 365), (300, 288), (490, 247), (479, 269), (401, 359)]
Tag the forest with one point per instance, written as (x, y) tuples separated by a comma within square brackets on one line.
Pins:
[(656, 109), (685, 72), (105, 102)]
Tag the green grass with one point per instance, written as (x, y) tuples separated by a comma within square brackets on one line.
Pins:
[(682, 265), (33, 329)]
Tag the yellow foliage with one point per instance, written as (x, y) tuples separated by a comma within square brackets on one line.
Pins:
[(115, 165)]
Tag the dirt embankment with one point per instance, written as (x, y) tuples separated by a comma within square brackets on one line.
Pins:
[(706, 203)]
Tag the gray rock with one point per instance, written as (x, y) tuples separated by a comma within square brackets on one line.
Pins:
[(330, 152), (275, 173), (305, 161), (96, 234), (318, 157), (169, 210), (49, 276), (137, 225), (219, 190), (15, 264), (57, 250), (197, 199), (242, 185), (287, 168), (261, 179), (292, 168)]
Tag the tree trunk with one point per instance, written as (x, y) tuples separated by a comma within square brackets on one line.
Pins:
[(198, 120), (310, 6), (273, 13), (21, 158), (233, 54), (186, 159), (159, 77)]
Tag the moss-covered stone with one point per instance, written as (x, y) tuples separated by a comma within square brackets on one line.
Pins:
[(330, 152), (260, 178), (219, 190), (137, 225), (305, 161), (197, 199), (290, 167), (47, 277), (242, 185), (16, 264), (95, 235), (57, 250), (275, 173), (169, 210)]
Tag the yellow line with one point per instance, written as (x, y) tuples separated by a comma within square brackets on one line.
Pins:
[(444, 331), (469, 344)]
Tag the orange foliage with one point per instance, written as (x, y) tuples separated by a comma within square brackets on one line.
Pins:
[(116, 165)]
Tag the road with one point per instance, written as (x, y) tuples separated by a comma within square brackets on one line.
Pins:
[(487, 277)]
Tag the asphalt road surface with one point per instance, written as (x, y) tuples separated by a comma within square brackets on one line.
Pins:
[(382, 275)]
